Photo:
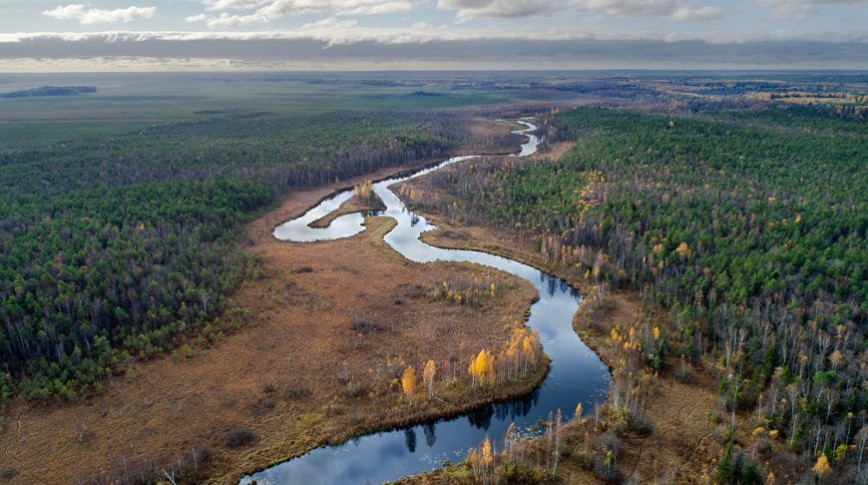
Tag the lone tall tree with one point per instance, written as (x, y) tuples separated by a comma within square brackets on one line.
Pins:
[(428, 377), (408, 382)]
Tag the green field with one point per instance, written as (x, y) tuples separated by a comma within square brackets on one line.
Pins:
[(125, 104)]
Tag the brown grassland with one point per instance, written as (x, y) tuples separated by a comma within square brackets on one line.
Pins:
[(311, 366), (330, 326)]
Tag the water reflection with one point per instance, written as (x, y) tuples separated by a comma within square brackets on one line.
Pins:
[(410, 439), (430, 434), (577, 375)]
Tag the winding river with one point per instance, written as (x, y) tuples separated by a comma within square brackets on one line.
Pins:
[(577, 374)]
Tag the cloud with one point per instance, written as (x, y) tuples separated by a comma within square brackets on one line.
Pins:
[(219, 5), (468, 9), (336, 31), (196, 18), (675, 9), (699, 14), (88, 16), (330, 23), (631, 8), (270, 10), (800, 9), (252, 50)]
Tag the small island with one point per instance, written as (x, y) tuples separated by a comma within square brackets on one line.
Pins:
[(50, 91)]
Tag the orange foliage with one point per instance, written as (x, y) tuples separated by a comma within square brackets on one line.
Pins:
[(487, 457), (408, 382), (523, 351), (822, 467), (482, 367)]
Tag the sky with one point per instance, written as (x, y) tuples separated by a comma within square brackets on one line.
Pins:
[(155, 35)]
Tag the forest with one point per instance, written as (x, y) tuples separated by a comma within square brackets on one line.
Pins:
[(120, 247), (748, 228), (50, 91)]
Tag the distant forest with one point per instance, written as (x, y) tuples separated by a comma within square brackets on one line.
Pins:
[(50, 91)]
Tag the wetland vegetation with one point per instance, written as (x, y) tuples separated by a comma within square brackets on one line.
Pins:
[(752, 238), (714, 223)]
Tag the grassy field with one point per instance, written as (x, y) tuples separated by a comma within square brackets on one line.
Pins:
[(127, 103)]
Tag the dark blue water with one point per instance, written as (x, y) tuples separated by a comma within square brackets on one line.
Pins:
[(577, 375)]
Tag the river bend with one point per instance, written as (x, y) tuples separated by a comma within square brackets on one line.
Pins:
[(577, 374)]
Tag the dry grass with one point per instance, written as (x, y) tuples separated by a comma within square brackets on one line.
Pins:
[(355, 204), (491, 137), (683, 444), (300, 374), (554, 151)]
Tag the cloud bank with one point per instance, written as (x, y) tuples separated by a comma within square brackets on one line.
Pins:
[(90, 16), (800, 9), (699, 14), (265, 11), (349, 33), (342, 44), (469, 9)]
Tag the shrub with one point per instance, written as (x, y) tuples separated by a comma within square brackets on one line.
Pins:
[(297, 392), (608, 441), (365, 326), (641, 425), (9, 473), (522, 473), (585, 458), (606, 468), (240, 436)]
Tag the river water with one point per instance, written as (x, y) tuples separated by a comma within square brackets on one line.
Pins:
[(577, 374)]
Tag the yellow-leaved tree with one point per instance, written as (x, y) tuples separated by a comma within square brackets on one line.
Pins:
[(523, 352), (481, 368), (821, 468), (683, 250), (487, 456), (428, 377), (528, 350), (408, 382)]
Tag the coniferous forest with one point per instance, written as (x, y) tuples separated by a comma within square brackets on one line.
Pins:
[(113, 247), (748, 227)]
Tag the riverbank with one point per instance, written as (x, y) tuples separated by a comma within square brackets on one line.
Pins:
[(683, 445), (579, 377), (328, 326)]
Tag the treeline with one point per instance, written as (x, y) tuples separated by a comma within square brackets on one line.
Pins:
[(50, 91), (113, 247), (753, 238), (842, 119)]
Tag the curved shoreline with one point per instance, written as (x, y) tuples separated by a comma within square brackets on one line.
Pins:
[(526, 387), (585, 379)]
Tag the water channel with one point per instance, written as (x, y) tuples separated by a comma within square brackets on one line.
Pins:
[(577, 374)]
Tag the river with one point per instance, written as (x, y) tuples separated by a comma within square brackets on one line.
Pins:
[(577, 374)]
